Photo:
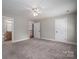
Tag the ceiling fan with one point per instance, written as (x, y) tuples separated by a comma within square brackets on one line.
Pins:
[(35, 11)]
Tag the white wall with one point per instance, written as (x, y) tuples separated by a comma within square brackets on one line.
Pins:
[(20, 29), (71, 28), (29, 24), (48, 27)]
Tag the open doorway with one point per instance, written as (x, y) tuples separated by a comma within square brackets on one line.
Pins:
[(7, 30), (34, 29)]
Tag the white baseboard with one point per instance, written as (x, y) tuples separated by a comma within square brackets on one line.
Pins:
[(46, 39), (20, 40), (60, 41)]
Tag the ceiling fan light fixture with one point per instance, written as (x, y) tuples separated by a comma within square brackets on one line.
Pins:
[(35, 14), (35, 11)]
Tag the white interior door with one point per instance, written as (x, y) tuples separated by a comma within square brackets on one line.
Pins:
[(60, 29), (37, 30)]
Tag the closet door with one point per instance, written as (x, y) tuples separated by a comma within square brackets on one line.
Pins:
[(61, 29)]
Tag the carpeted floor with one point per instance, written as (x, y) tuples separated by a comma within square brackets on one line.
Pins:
[(38, 49)]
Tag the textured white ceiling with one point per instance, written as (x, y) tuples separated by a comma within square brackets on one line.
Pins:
[(23, 8)]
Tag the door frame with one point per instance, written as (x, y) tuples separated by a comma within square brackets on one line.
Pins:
[(13, 30)]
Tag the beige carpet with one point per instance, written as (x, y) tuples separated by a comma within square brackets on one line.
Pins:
[(38, 49)]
